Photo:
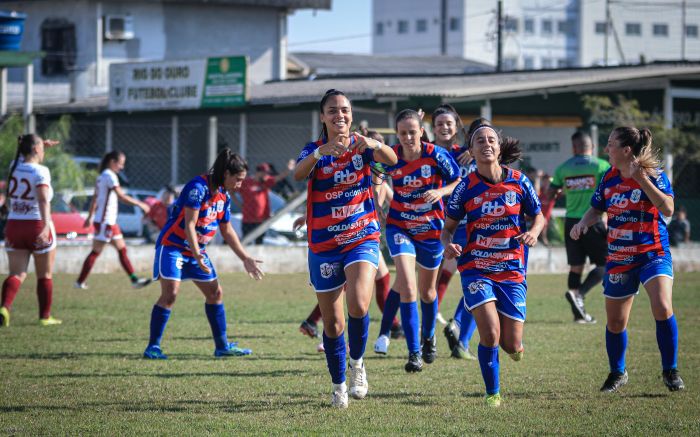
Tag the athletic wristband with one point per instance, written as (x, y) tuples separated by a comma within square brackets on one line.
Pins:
[(317, 153)]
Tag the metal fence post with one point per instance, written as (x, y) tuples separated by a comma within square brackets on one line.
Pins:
[(212, 137)]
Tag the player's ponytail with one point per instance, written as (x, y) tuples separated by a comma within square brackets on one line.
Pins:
[(108, 157), (227, 160), (25, 147), (640, 141), (510, 150)]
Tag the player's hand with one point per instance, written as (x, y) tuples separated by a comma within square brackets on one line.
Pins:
[(291, 164), (363, 143), (299, 222), (421, 114), (253, 269), (464, 158), (145, 208), (335, 147), (453, 250), (88, 222), (577, 230), (638, 172), (432, 196), (526, 238), (44, 237), (201, 260), (51, 143)]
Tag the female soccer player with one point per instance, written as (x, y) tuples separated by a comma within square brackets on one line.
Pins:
[(104, 208), (637, 196), (461, 327), (29, 230), (493, 264), (203, 205), (343, 234), (423, 175)]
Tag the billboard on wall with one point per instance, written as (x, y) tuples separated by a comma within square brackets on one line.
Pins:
[(189, 84)]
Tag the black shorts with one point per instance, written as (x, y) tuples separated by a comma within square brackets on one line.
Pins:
[(593, 244)]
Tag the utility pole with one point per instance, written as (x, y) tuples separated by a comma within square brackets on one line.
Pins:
[(443, 27), (499, 37), (607, 31), (683, 11)]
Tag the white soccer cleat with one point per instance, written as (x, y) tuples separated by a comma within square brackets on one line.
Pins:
[(339, 398), (80, 286), (320, 348), (441, 319), (381, 346), (358, 381)]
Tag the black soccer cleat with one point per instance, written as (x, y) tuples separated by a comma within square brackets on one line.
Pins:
[(415, 363), (673, 380), (614, 382), (576, 305), (429, 349), (452, 334), (396, 332)]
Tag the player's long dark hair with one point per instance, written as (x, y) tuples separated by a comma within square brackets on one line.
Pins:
[(510, 147), (108, 157), (25, 147), (330, 93), (407, 114), (227, 160), (640, 141)]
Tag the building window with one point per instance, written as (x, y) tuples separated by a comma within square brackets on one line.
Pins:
[(691, 31), (380, 28), (546, 27), (562, 63), (454, 24), (546, 63), (529, 62), (421, 25), (511, 24), (529, 25), (403, 26), (510, 63), (565, 27), (660, 29), (58, 41), (633, 29), (600, 27)]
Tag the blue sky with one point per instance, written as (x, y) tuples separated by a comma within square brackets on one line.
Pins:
[(346, 28)]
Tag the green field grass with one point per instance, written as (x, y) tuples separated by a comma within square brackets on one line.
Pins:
[(87, 376)]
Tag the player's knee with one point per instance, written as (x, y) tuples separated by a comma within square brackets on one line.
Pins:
[(21, 276), (662, 311), (333, 328), (168, 298), (490, 337), (616, 324)]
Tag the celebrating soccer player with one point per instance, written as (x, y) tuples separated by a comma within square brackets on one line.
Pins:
[(203, 205), (423, 175), (493, 264), (343, 235), (637, 196)]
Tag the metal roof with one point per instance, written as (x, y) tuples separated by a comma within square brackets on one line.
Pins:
[(471, 87), (322, 65)]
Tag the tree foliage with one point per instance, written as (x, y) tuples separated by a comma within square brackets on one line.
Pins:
[(65, 173), (608, 113)]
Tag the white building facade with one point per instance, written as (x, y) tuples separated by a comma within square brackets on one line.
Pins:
[(540, 33)]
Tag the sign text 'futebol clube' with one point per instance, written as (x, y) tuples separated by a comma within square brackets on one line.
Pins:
[(191, 84)]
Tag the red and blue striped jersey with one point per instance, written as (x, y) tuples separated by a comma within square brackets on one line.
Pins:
[(213, 209), (464, 170), (411, 179), (495, 214), (340, 206), (636, 229)]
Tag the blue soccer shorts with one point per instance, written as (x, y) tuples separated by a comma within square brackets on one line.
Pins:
[(509, 296), (428, 253), (625, 284), (327, 272), (170, 263)]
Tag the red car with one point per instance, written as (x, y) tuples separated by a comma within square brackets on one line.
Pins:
[(67, 221)]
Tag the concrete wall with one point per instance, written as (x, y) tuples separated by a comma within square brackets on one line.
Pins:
[(69, 259)]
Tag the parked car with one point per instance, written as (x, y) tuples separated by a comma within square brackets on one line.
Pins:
[(130, 218), (68, 221)]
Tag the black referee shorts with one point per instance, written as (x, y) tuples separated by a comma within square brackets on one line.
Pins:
[(593, 244)]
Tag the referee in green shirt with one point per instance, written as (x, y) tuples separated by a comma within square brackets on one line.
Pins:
[(577, 179)]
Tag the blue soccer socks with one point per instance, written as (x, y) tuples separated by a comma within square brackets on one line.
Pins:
[(358, 331), (616, 345), (429, 312), (667, 339), (391, 307), (409, 321), (216, 314), (490, 368), (159, 318), (335, 357)]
